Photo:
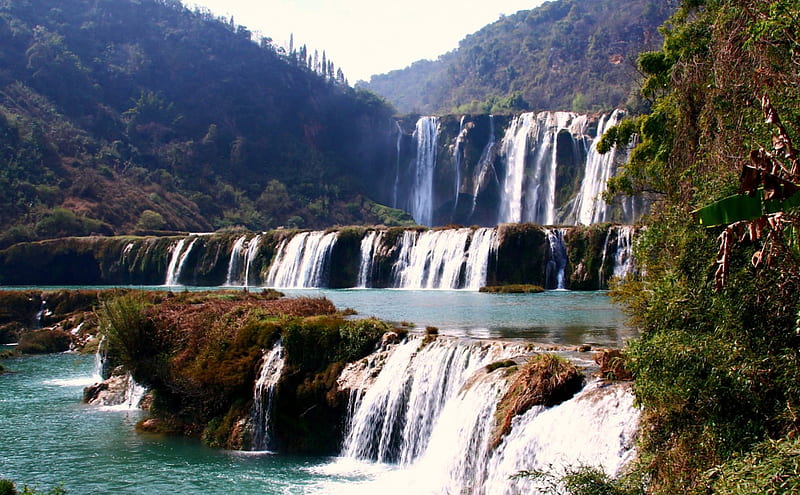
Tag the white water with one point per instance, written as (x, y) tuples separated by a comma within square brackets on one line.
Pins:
[(301, 261), (623, 257), (485, 163), (557, 259), (589, 204), (458, 161), (515, 149), (243, 254), (596, 428), (431, 411), (397, 415), (131, 398), (397, 166), (263, 394), (440, 259), (235, 262), (421, 195), (369, 247), (178, 261)]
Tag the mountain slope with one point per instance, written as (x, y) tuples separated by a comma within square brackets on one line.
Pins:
[(141, 114), (565, 55)]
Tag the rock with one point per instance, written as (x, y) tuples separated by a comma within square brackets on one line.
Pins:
[(612, 364), (92, 392)]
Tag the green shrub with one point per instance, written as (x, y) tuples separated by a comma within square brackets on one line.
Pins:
[(7, 488), (44, 342)]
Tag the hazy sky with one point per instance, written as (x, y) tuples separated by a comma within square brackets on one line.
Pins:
[(366, 37)]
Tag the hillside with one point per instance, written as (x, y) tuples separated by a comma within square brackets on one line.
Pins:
[(127, 115), (565, 55)]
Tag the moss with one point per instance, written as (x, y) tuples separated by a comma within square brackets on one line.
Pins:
[(512, 289), (500, 364), (521, 256), (545, 380)]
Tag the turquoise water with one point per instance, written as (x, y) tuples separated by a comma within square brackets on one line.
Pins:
[(48, 437), (552, 317)]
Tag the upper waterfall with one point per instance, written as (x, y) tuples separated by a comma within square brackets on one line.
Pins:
[(421, 200)]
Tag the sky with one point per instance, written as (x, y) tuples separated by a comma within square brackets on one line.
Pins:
[(366, 37)]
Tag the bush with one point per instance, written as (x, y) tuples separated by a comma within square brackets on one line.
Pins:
[(7, 488), (44, 342)]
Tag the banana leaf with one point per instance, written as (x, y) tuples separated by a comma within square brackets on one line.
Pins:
[(740, 207)]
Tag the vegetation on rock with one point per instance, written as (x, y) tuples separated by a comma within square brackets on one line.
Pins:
[(718, 361), (199, 354), (512, 289)]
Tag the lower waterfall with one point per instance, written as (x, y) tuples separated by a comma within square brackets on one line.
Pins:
[(263, 394), (429, 414), (301, 261), (178, 261), (444, 259)]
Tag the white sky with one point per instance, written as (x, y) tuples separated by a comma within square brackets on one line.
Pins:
[(366, 37)]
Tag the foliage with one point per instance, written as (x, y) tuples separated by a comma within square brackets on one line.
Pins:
[(109, 111), (563, 55), (716, 365), (771, 468), (7, 487)]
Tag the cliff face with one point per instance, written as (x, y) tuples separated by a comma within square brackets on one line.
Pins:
[(585, 257)]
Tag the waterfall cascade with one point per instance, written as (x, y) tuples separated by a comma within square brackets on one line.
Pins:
[(431, 402), (369, 246), (396, 415), (421, 200), (178, 260), (623, 257), (301, 261), (485, 165), (557, 259), (243, 254), (263, 395), (443, 259)]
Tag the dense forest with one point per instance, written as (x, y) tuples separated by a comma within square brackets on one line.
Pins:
[(717, 364), (564, 55), (126, 115)]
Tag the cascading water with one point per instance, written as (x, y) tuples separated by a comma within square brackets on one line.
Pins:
[(601, 272), (263, 395), (440, 259), (301, 261), (596, 428), (457, 161), (243, 254), (369, 245), (235, 262), (623, 257), (432, 412), (397, 414), (178, 261), (421, 195), (485, 163), (557, 259), (397, 166), (515, 149), (590, 207)]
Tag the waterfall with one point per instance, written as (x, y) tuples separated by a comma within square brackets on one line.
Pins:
[(623, 257), (235, 262), (457, 161), (397, 166), (398, 413), (243, 254), (425, 136), (601, 272), (431, 410), (177, 261), (263, 394), (515, 149), (369, 246), (590, 207), (250, 257), (301, 261), (484, 243), (99, 361), (557, 259), (485, 163), (596, 428), (444, 259)]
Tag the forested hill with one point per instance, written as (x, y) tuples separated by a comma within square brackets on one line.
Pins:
[(118, 115), (564, 55)]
